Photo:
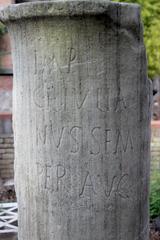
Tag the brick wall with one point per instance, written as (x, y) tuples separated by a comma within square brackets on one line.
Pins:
[(6, 138), (6, 77), (5, 94), (6, 157)]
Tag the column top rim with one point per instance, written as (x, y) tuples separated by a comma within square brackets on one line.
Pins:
[(61, 8)]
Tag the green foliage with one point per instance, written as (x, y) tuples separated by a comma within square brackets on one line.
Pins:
[(151, 19), (155, 194), (2, 29)]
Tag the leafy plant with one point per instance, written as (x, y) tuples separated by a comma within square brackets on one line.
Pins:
[(3, 29), (155, 194)]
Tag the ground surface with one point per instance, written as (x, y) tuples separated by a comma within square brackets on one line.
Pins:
[(7, 194), (155, 235), (8, 237)]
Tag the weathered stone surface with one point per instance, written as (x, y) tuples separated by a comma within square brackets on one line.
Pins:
[(81, 120), (66, 8)]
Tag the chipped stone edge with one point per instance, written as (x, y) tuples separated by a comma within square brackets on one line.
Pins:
[(59, 8)]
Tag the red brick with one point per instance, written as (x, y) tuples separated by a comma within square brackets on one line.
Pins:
[(6, 61), (5, 45), (6, 82)]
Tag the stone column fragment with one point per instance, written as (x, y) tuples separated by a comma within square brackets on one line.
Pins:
[(81, 120)]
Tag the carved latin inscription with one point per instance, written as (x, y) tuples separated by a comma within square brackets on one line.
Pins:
[(75, 134), (54, 176), (123, 144), (66, 93), (103, 102), (91, 184), (60, 173), (54, 93), (72, 57), (119, 186), (100, 140), (55, 96), (81, 98), (87, 184), (96, 144)]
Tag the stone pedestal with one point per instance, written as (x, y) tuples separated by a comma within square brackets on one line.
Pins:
[(81, 120)]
